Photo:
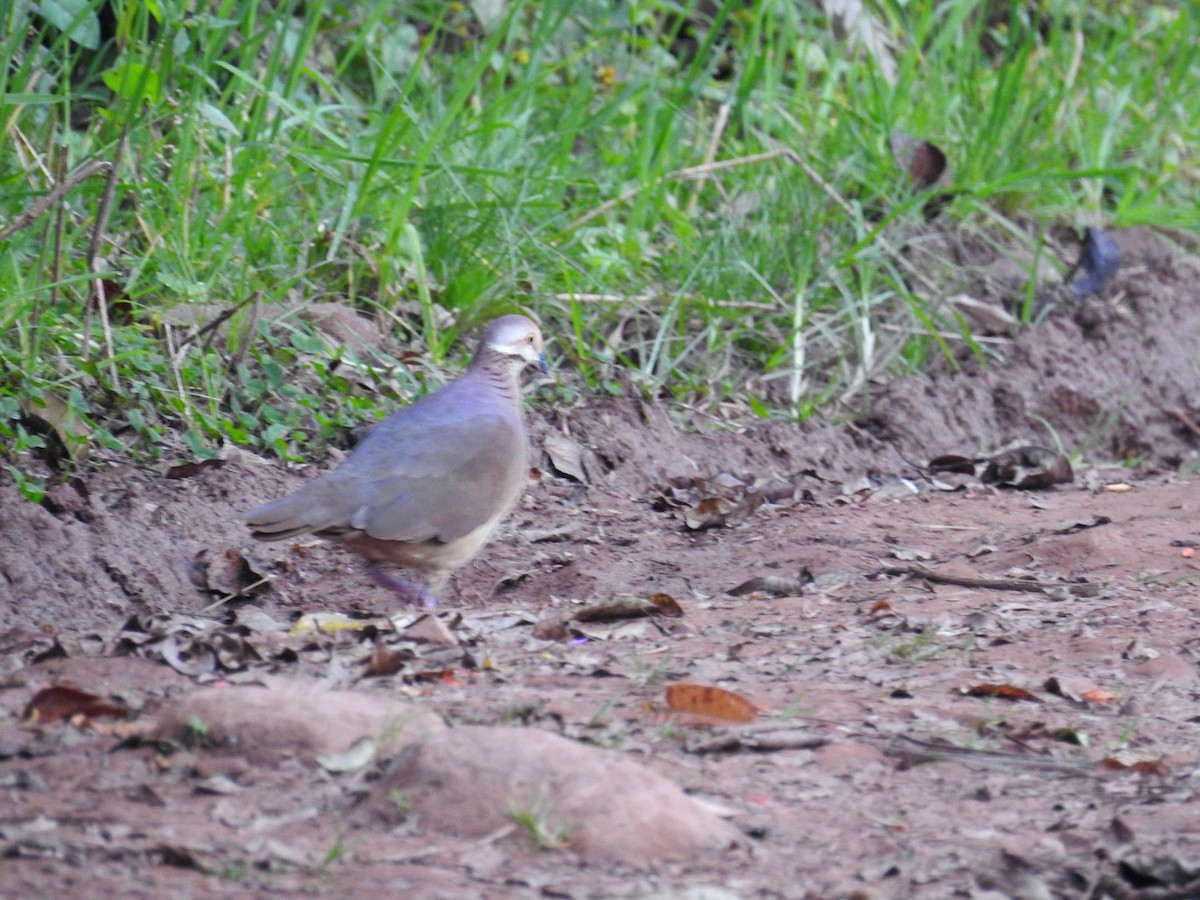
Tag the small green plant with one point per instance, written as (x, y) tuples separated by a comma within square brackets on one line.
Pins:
[(402, 801), (335, 852), (921, 647), (535, 819), (741, 237), (196, 734), (1125, 738)]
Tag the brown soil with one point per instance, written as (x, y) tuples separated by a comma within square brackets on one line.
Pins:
[(975, 692)]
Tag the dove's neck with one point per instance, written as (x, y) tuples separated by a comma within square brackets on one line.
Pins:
[(499, 371)]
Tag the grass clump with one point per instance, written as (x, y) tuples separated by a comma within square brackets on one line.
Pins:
[(700, 200)]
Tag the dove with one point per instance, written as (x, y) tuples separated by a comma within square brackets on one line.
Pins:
[(428, 485)]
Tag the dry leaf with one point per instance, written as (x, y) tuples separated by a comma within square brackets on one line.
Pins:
[(431, 630), (1070, 526), (1077, 688), (618, 606), (667, 605), (226, 572), (357, 757), (566, 456), (1027, 468), (709, 700), (774, 585), (192, 469), (1000, 692), (63, 701), (1118, 763), (922, 161), (386, 661)]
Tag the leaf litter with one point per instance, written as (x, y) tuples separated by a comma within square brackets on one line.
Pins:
[(868, 743)]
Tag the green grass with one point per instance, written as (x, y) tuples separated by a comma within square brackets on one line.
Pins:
[(746, 234)]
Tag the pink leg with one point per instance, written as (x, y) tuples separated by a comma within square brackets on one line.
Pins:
[(411, 591)]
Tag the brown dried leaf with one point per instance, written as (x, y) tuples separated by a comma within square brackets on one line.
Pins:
[(553, 629), (226, 572), (960, 465), (1077, 688), (192, 469), (1000, 692), (618, 606), (68, 435), (1028, 468), (64, 701), (923, 162), (386, 661), (667, 605), (566, 456), (710, 502), (709, 700), (711, 512), (1142, 766)]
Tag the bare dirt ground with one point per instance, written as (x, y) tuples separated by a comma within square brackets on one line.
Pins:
[(962, 690)]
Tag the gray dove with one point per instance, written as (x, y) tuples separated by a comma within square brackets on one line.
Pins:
[(428, 485)]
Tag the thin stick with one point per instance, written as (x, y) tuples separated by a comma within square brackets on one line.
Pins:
[(949, 335), (710, 154), (53, 196), (210, 328), (102, 214), (648, 299), (176, 356), (988, 584), (701, 171), (60, 175), (797, 383)]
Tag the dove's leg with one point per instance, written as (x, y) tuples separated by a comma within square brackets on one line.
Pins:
[(411, 591)]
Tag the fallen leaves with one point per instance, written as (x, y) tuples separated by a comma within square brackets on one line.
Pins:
[(1078, 689), (774, 585), (64, 701), (629, 606), (570, 623), (719, 501), (1026, 468), (710, 703), (1000, 692), (226, 572), (1130, 762)]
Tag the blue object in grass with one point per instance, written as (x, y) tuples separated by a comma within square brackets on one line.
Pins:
[(1098, 263)]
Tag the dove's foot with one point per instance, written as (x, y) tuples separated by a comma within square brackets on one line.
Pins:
[(411, 591)]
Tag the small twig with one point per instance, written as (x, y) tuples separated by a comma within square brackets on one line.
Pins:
[(210, 328), (1185, 420), (714, 141), (175, 360), (54, 195), (648, 299), (243, 345), (102, 214), (950, 335), (987, 584), (916, 751), (701, 171), (60, 175)]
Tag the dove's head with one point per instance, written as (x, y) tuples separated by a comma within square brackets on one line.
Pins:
[(515, 336)]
